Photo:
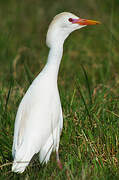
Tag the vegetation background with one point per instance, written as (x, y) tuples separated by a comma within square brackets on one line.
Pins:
[(88, 83)]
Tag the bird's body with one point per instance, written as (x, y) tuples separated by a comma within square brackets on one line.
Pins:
[(35, 134), (39, 118)]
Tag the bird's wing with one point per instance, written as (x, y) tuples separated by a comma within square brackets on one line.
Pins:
[(36, 116), (20, 120)]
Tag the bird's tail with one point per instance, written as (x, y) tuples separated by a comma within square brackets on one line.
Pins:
[(50, 145), (22, 159), (45, 152)]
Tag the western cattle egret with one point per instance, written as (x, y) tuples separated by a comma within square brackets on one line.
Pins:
[(39, 119)]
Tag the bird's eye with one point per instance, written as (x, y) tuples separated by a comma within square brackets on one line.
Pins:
[(70, 19)]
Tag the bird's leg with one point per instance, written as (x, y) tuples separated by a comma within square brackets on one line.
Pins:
[(58, 160)]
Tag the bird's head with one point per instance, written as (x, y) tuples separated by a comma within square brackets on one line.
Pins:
[(62, 25)]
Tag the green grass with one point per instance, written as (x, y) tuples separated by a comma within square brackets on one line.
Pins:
[(88, 84)]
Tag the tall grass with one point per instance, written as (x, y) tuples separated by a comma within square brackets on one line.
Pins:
[(88, 85)]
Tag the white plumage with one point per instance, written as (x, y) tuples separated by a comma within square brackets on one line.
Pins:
[(39, 119)]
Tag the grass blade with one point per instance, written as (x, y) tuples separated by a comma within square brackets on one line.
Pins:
[(83, 99), (87, 84)]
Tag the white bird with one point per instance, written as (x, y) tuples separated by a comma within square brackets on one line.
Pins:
[(39, 119)]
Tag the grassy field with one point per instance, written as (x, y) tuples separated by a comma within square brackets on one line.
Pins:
[(88, 84)]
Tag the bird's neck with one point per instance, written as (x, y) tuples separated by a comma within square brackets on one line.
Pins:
[(54, 59)]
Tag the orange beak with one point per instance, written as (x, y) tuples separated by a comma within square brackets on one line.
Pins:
[(85, 22)]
